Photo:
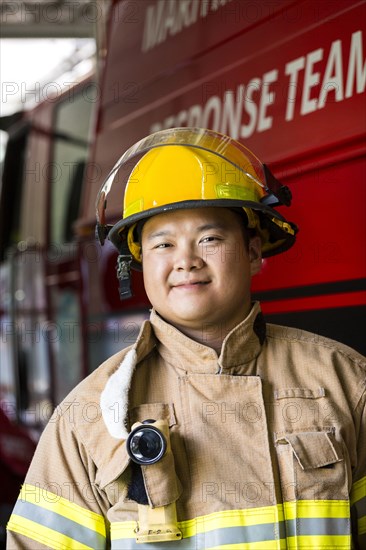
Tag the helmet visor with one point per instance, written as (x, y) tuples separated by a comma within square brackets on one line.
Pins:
[(217, 145)]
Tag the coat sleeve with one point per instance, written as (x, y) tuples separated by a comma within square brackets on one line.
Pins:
[(59, 505), (358, 492)]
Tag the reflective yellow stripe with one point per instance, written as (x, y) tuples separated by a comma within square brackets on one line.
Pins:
[(316, 542), (203, 524), (55, 503), (44, 535), (232, 518), (316, 509), (262, 545), (44, 516), (301, 525), (358, 490), (326, 524), (125, 531)]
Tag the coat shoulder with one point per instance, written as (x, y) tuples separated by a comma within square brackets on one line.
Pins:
[(309, 341)]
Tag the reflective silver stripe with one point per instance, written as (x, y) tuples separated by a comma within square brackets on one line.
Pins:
[(253, 533), (59, 523), (235, 535), (225, 535), (131, 544), (318, 526)]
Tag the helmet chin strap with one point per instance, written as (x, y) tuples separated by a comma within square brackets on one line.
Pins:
[(124, 275)]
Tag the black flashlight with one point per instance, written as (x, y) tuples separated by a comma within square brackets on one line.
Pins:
[(146, 444)]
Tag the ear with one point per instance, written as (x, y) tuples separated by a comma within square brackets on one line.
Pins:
[(255, 255)]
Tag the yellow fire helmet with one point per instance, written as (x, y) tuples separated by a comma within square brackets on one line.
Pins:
[(182, 168)]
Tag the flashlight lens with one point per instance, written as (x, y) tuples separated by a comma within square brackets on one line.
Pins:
[(146, 445)]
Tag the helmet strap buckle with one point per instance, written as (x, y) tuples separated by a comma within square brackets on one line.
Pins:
[(124, 275)]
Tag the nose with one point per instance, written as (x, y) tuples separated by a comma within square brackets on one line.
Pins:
[(188, 258)]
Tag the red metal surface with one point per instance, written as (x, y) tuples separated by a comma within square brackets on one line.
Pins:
[(325, 301), (234, 71), (183, 72), (329, 206)]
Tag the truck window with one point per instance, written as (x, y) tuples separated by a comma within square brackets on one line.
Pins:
[(72, 121)]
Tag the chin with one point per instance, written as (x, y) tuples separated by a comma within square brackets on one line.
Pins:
[(194, 319)]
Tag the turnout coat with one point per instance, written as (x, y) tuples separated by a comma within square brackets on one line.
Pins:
[(268, 444)]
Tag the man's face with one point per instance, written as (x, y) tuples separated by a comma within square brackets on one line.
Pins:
[(197, 268)]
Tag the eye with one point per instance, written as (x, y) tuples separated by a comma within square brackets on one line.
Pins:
[(162, 246), (209, 239)]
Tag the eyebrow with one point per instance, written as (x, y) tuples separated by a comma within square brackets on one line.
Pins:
[(199, 229), (158, 234)]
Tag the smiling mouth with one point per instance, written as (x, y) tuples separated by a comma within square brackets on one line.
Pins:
[(191, 283)]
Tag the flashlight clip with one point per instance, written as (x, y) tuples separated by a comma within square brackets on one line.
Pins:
[(148, 445)]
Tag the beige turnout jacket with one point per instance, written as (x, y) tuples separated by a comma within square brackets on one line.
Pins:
[(268, 441)]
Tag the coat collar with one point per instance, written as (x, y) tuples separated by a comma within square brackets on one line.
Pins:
[(241, 346)]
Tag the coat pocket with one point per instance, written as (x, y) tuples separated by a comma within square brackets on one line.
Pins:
[(312, 466)]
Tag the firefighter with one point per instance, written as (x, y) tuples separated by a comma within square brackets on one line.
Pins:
[(215, 429)]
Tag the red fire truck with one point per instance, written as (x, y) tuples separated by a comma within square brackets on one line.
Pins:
[(285, 77)]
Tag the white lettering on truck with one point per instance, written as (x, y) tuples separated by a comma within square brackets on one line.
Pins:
[(304, 87), (332, 80), (168, 17)]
